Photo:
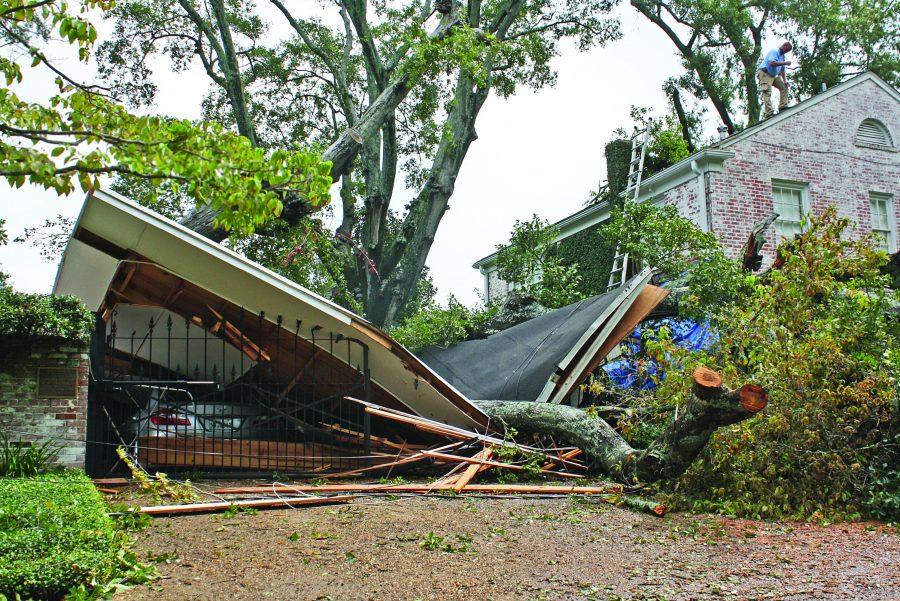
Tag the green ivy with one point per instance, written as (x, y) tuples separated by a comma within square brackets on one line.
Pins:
[(591, 252)]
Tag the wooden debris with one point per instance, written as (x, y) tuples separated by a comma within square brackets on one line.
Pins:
[(111, 482), (108, 491), (474, 468), (286, 502), (434, 427), (567, 455), (499, 489), (353, 434), (498, 464), (418, 456)]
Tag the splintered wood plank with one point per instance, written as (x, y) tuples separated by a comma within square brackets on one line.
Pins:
[(417, 456), (508, 466), (474, 468), (286, 503)]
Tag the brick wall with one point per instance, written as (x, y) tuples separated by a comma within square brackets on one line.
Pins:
[(815, 147), (25, 416)]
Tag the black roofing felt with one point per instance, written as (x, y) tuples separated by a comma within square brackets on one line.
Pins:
[(516, 363)]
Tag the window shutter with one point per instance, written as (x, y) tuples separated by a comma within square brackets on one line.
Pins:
[(873, 132)]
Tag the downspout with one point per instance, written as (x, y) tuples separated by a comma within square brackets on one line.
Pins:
[(701, 195)]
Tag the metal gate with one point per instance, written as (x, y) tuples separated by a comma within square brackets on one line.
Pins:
[(244, 397)]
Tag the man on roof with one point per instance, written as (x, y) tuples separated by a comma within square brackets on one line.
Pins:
[(771, 73)]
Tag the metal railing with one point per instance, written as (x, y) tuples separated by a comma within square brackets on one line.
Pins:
[(245, 398)]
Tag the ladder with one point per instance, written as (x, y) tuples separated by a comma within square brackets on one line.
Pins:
[(639, 143)]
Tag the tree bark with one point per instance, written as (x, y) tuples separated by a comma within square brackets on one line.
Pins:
[(710, 408), (341, 153)]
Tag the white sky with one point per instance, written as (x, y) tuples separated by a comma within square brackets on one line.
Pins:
[(535, 153)]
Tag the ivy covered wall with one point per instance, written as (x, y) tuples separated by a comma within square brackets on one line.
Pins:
[(594, 257)]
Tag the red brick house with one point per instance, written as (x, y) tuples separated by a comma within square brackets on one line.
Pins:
[(839, 148)]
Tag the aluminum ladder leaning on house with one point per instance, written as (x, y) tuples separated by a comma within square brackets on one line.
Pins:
[(639, 142)]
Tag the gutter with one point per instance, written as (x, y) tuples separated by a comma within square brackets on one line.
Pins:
[(702, 200)]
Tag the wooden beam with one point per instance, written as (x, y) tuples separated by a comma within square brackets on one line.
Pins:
[(466, 477), (434, 427), (284, 503), (296, 379), (418, 456)]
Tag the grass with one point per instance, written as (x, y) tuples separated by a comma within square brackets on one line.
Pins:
[(56, 539)]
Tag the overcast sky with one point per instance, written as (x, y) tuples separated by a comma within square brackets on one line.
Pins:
[(535, 153)]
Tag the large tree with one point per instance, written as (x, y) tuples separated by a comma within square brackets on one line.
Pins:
[(720, 43), (282, 76)]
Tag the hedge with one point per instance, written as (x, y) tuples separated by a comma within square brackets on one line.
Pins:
[(55, 535), (28, 316)]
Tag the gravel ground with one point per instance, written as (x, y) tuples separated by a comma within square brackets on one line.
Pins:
[(468, 548)]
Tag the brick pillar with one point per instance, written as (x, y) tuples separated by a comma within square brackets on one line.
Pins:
[(58, 411)]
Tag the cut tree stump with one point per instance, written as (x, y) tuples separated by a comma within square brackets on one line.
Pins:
[(711, 407)]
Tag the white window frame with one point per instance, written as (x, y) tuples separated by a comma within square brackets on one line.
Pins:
[(891, 220), (801, 187)]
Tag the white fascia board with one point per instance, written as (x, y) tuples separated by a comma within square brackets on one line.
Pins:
[(85, 272), (630, 293), (709, 159), (604, 323), (217, 251)]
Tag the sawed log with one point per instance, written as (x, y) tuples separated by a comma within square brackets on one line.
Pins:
[(712, 406)]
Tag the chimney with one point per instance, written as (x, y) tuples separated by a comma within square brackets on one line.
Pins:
[(723, 132)]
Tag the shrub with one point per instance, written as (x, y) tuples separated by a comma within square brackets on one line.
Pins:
[(55, 536), (438, 326), (531, 261), (19, 459), (33, 315), (883, 500), (819, 335)]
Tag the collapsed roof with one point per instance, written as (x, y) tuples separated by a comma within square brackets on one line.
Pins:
[(545, 359), (124, 257)]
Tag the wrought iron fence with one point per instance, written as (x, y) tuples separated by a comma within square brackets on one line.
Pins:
[(210, 395)]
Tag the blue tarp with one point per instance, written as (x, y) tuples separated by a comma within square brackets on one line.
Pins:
[(686, 333)]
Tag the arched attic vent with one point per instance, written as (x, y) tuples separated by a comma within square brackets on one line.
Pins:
[(873, 132)]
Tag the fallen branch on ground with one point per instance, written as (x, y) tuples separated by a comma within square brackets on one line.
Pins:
[(283, 502)]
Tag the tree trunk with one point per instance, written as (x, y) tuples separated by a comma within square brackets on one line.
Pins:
[(711, 407), (341, 153)]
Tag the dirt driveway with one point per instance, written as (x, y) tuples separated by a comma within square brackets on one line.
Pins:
[(445, 548)]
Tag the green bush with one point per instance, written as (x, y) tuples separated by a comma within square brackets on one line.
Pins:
[(19, 459), (883, 501), (55, 536), (37, 315), (819, 334), (438, 326)]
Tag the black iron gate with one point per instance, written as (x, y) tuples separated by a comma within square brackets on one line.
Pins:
[(246, 397)]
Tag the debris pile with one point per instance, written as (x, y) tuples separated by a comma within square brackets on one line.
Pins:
[(455, 460)]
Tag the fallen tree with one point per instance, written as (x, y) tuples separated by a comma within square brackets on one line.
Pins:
[(711, 406)]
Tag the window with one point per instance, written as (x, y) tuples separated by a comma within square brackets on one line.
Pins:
[(791, 206), (874, 133), (883, 220)]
